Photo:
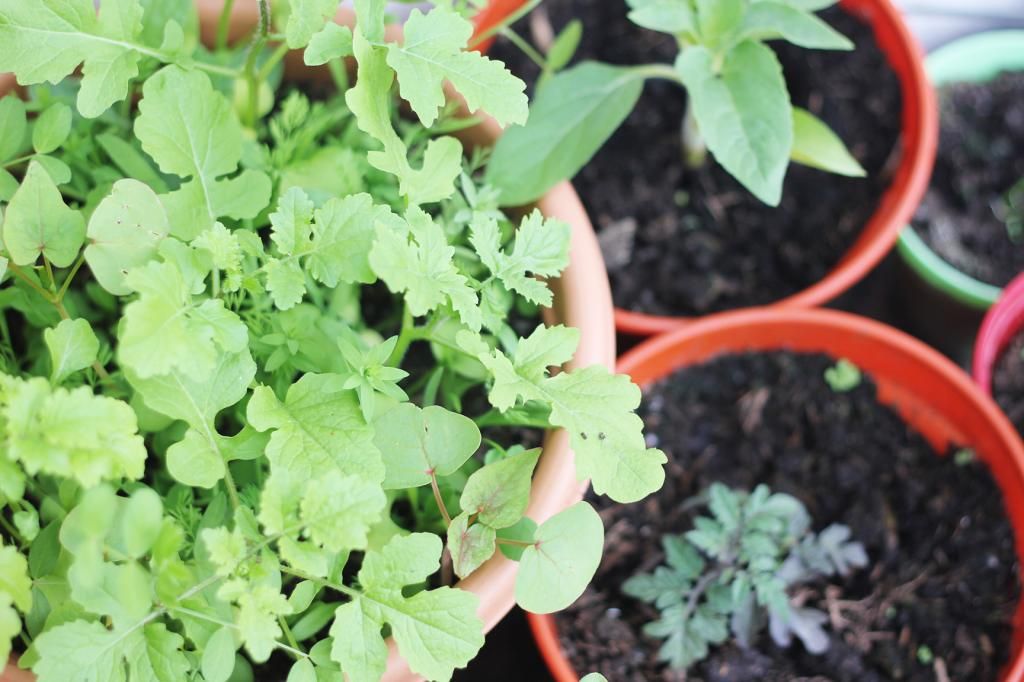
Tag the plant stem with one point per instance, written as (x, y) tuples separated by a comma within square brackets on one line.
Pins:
[(71, 276), (273, 61), (514, 543), (695, 148), (17, 272), (288, 634), (339, 75), (437, 498), (251, 73), (49, 274), (662, 71), (229, 483), (347, 591), (11, 530), (198, 615), (406, 336), (525, 47), (224, 24), (15, 162), (507, 21)]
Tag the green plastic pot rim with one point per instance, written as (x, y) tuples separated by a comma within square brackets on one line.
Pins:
[(976, 58)]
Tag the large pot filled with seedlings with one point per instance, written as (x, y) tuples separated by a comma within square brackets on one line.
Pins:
[(693, 115), (840, 503), (273, 375)]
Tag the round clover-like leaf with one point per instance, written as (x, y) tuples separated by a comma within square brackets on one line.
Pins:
[(417, 443)]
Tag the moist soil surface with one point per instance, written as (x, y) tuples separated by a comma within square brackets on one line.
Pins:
[(680, 241), (980, 159), (1008, 382), (942, 572)]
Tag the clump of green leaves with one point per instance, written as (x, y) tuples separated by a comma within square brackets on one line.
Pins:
[(739, 107), (731, 575), (247, 346), (843, 377)]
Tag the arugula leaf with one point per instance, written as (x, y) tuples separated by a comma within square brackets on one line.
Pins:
[(124, 232), (167, 329), (73, 346), (332, 42), (197, 138), (82, 651), (318, 428), (306, 18), (423, 269), (593, 405), (417, 442), (73, 434), (434, 51), (554, 571), (541, 248), (743, 112), (571, 118), (38, 222), (371, 103), (69, 32), (436, 630), (14, 581)]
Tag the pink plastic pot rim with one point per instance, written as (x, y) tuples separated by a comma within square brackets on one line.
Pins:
[(1000, 325)]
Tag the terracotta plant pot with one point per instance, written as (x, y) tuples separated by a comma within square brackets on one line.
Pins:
[(974, 59), (582, 299), (1003, 322), (931, 394), (897, 205)]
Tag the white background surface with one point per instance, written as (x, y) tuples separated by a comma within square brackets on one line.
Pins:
[(938, 21)]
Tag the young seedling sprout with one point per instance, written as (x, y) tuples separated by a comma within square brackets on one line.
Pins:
[(738, 104), (844, 376), (733, 573)]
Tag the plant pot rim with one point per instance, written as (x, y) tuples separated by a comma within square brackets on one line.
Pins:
[(1002, 322), (582, 300), (919, 139), (929, 391), (976, 58)]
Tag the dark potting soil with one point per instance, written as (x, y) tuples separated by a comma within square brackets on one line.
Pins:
[(1008, 382), (943, 571), (680, 241), (980, 159)]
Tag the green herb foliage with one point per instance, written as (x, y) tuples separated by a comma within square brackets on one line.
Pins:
[(738, 105), (246, 343), (730, 575), (844, 376)]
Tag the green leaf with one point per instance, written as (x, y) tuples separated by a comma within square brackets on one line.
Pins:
[(370, 101), (13, 125), (593, 677), (843, 377), (469, 545), (69, 32), (131, 161), (718, 19), (286, 283), (423, 269), (434, 51), (10, 626), (343, 234), (166, 329), (124, 232), (306, 18), (333, 42), (564, 47), (743, 112), (593, 405), (771, 20), (318, 428), (815, 145), (82, 651), (197, 138), (416, 441), (141, 521), (541, 249), (218, 660), (59, 171), (199, 459), (38, 222), (73, 434), (571, 118), (52, 128), (302, 671), (567, 549), (73, 346), (8, 185), (14, 580), (499, 492), (669, 16), (521, 532), (436, 630)]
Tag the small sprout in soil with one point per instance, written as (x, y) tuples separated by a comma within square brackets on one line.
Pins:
[(1012, 211), (925, 655), (594, 677), (843, 377), (734, 571), (964, 456), (738, 104)]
